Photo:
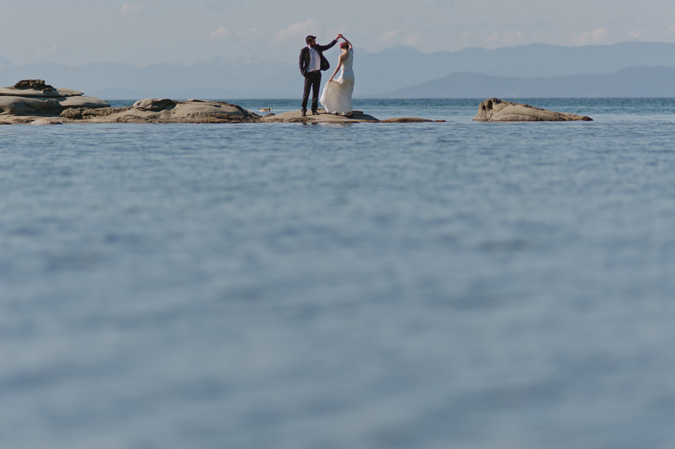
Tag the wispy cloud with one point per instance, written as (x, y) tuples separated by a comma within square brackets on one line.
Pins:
[(412, 39), (296, 30), (131, 9), (220, 33), (596, 36), (389, 36)]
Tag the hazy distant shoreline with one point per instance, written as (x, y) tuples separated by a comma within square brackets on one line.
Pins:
[(631, 69)]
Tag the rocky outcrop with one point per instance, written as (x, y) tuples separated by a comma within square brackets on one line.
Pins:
[(35, 97), (164, 110), (496, 110), (36, 102)]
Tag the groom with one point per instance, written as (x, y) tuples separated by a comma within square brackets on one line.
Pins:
[(312, 62)]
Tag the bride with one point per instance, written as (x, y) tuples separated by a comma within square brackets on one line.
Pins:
[(336, 97)]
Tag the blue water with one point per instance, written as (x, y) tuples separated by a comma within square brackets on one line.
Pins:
[(434, 285)]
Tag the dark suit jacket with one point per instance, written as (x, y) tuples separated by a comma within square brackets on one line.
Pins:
[(304, 57)]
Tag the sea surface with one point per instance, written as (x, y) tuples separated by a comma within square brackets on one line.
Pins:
[(286, 286)]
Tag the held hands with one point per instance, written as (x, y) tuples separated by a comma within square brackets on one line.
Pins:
[(339, 36)]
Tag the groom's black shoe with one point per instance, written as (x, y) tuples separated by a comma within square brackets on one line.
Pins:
[(304, 112), (315, 112)]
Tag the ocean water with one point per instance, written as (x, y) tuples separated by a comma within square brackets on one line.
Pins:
[(431, 285)]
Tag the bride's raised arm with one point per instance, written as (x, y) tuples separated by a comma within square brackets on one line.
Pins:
[(348, 43)]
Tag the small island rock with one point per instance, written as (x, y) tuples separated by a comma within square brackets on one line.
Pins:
[(496, 110)]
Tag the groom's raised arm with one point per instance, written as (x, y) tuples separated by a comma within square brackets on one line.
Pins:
[(326, 47)]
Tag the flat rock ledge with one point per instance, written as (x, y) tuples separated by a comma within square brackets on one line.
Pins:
[(321, 117), (325, 117), (496, 110)]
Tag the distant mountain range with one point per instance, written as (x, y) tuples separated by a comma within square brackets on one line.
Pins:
[(629, 82), (622, 70)]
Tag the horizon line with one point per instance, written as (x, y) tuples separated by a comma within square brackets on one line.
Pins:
[(257, 60)]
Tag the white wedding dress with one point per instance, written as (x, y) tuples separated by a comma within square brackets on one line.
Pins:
[(337, 94)]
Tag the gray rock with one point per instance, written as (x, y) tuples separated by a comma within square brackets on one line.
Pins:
[(154, 104), (155, 110), (83, 102), (89, 113), (496, 110), (35, 97), (47, 121), (46, 105)]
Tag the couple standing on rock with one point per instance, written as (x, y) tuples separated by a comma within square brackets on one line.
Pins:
[(337, 94)]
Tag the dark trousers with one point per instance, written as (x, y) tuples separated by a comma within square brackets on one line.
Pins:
[(312, 82)]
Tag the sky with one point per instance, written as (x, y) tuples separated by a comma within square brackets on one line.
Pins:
[(145, 32)]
